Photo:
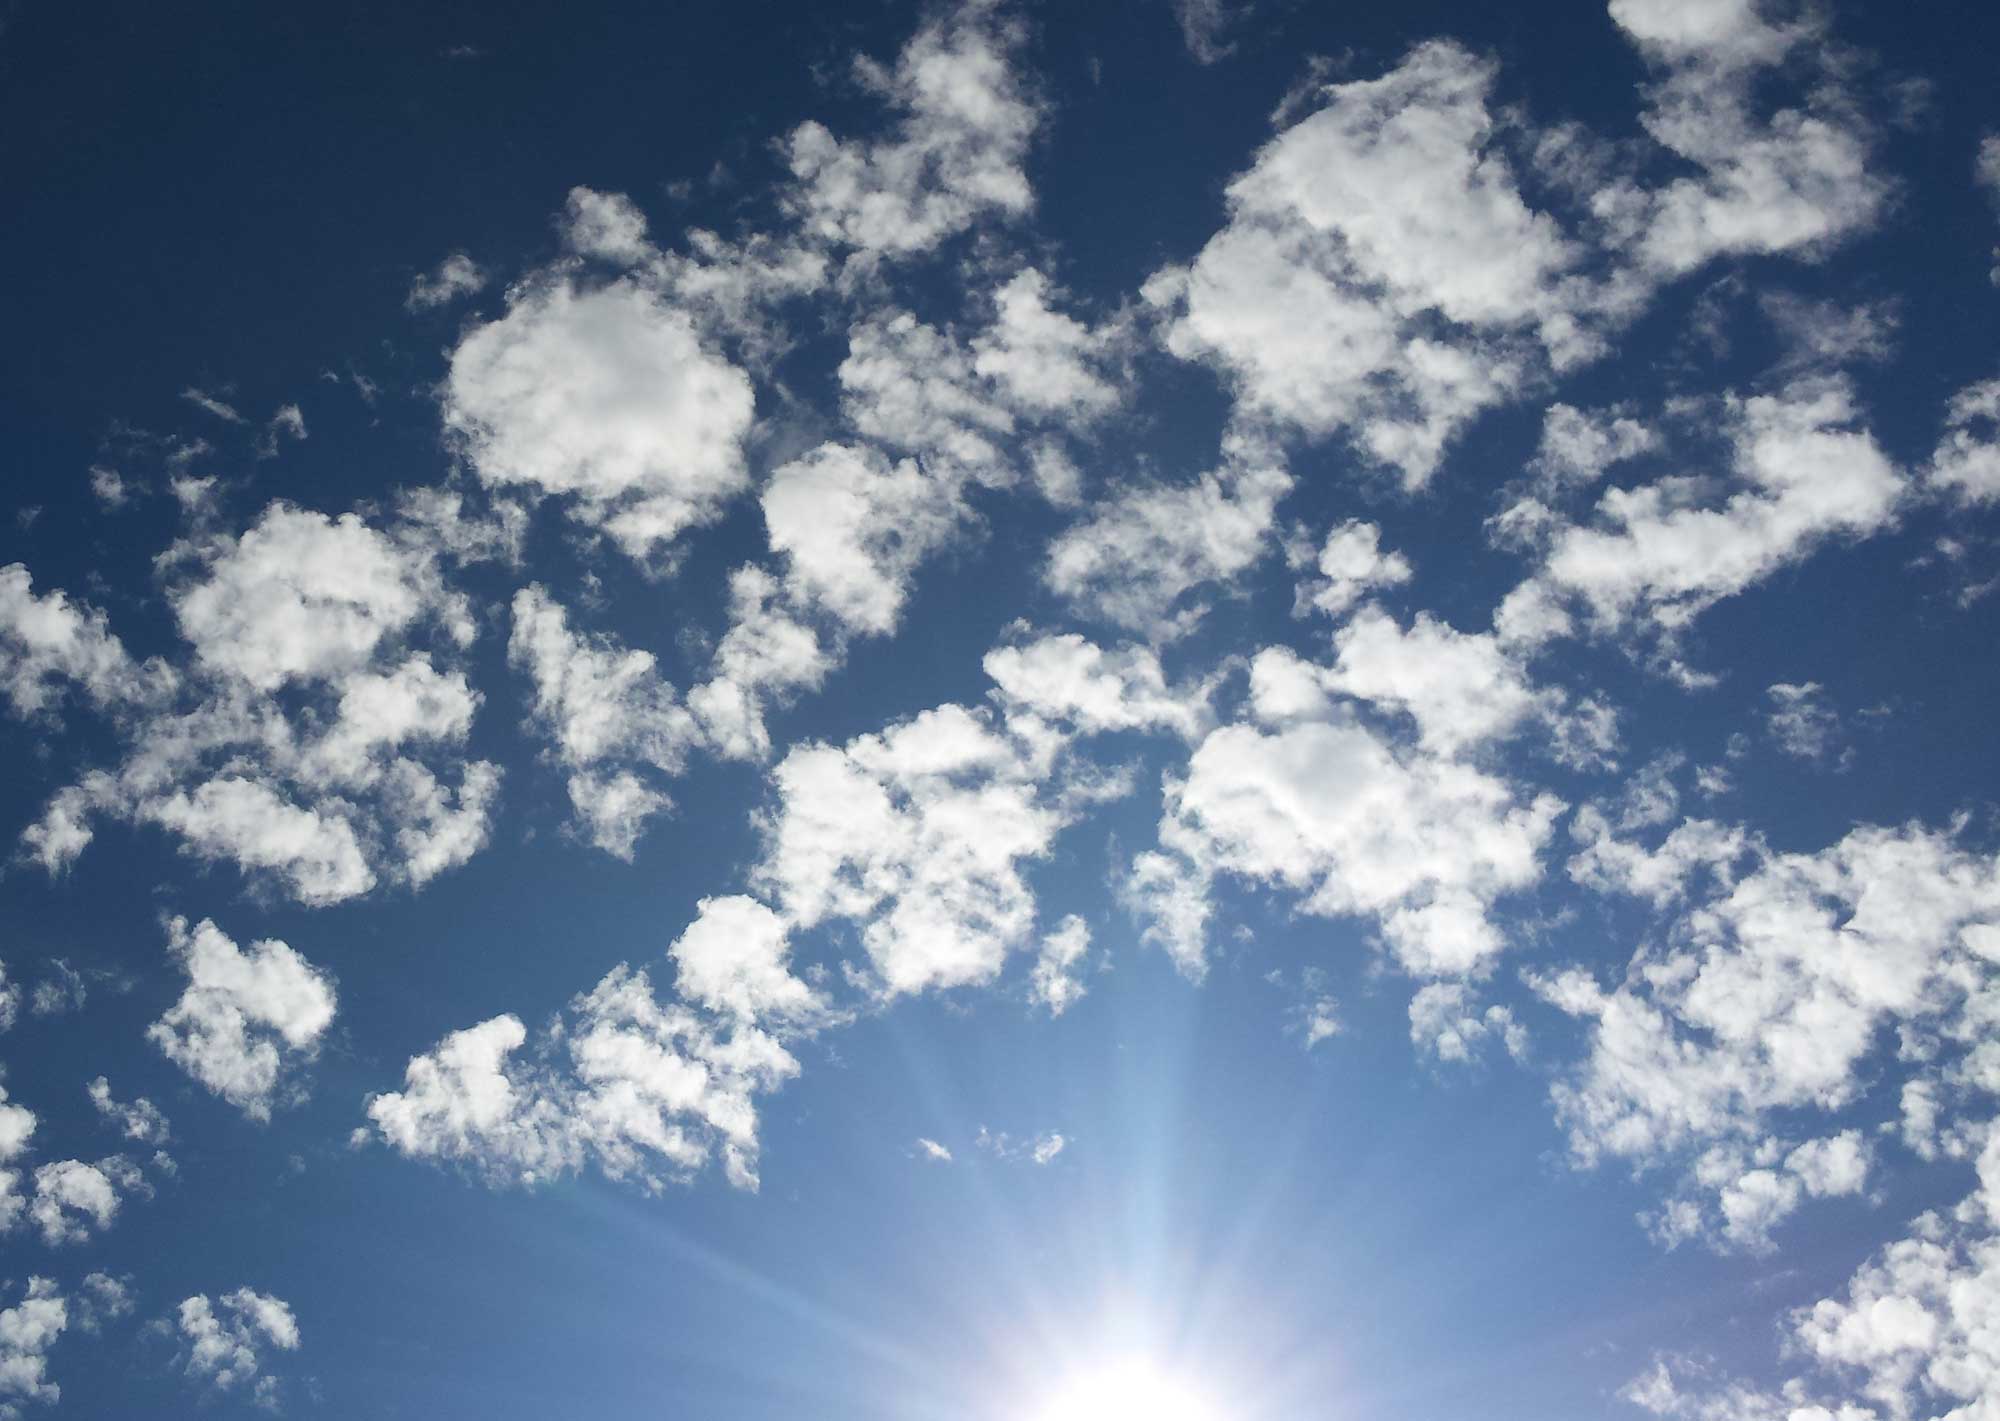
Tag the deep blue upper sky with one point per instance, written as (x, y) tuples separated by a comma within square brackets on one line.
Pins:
[(890, 711)]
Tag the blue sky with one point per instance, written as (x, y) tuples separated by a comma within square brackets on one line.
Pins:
[(1193, 709)]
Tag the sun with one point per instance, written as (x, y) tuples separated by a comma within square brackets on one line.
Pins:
[(1131, 1389)]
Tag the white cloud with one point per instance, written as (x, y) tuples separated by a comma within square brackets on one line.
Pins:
[(1043, 364), (1966, 464), (73, 1197), (955, 154), (1446, 1022), (1313, 801), (1986, 174), (912, 387), (648, 1092), (288, 743), (27, 1331), (732, 960), (1075, 683), (1317, 1016), (853, 528), (1796, 179), (1910, 1335), (1136, 554), (1170, 897), (1053, 983), (109, 487), (1579, 446), (301, 597), (1461, 689), (62, 989), (1380, 273), (1204, 22), (49, 641), (465, 1100), (248, 1019), (918, 836), (1351, 564), (607, 396), (252, 824), (1800, 721), (1036, 1149), (932, 1151), (17, 1126), (139, 1121), (228, 1340), (606, 225), (204, 401), (457, 275), (1770, 993), (601, 704), (1662, 875), (1801, 475), (613, 809), (103, 1299), (766, 654), (10, 999)]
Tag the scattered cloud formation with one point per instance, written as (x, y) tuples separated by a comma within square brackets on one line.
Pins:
[(228, 1341), (939, 569)]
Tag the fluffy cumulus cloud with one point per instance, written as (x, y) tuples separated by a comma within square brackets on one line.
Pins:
[(1350, 565), (608, 397), (1448, 1022), (309, 737), (1910, 1334), (228, 1341), (49, 643), (1136, 556), (954, 155), (1769, 178), (852, 529), (645, 1090), (1802, 472), (1065, 681), (139, 1121), (770, 652), (604, 709), (918, 837), (248, 1021), (987, 410), (1381, 274), (732, 960), (17, 1126), (301, 597), (1966, 464), (1764, 1006), (28, 1330), (74, 1198), (1318, 804)]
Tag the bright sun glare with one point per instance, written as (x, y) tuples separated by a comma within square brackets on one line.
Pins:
[(1129, 1390)]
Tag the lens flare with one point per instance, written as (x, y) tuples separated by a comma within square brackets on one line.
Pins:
[(1132, 1389)]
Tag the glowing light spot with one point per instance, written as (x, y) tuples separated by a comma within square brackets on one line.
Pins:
[(1129, 1390)]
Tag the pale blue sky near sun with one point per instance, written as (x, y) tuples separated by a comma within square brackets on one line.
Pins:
[(1215, 709)]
